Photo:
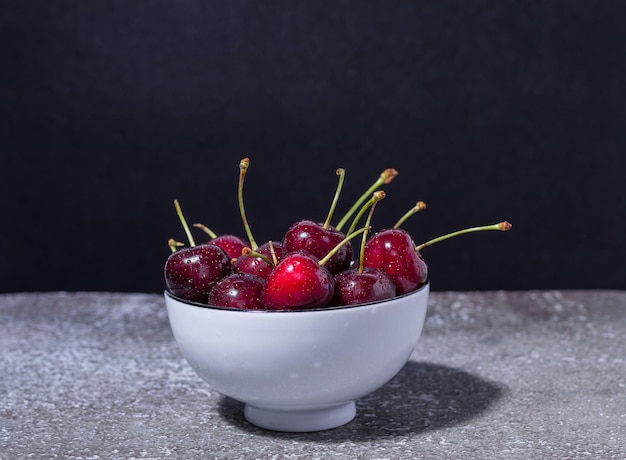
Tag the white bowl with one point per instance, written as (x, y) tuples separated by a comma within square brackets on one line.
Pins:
[(298, 370)]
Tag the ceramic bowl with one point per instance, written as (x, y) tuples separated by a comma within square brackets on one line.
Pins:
[(298, 370)]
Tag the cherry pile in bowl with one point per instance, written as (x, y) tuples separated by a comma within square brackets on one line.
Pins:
[(312, 266)]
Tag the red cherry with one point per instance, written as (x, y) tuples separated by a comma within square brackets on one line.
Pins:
[(190, 273), (231, 244), (316, 240), (302, 270), (362, 285), (393, 251), (249, 262), (253, 266), (239, 290), (354, 287), (298, 282), (273, 250)]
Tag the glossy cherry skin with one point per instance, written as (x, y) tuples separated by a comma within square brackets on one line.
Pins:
[(393, 251), (239, 290), (252, 266), (298, 282), (231, 244), (371, 285), (267, 252), (256, 265), (190, 273), (313, 238)]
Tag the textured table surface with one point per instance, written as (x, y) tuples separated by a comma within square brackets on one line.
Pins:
[(495, 375)]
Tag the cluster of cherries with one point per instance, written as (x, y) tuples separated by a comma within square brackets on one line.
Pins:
[(312, 266)]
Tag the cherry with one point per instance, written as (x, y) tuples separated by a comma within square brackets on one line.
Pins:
[(231, 244), (300, 281), (191, 272), (319, 238), (297, 282), (354, 287), (313, 238), (362, 285), (239, 290), (252, 265), (273, 250), (311, 267), (259, 263), (393, 251)]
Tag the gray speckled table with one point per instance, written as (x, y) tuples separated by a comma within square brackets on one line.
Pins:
[(495, 375)]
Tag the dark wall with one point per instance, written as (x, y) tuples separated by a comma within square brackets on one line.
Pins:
[(489, 110)]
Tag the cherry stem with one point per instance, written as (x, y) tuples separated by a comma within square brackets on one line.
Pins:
[(502, 226), (336, 249), (174, 245), (418, 207), (273, 252), (183, 221), (385, 177), (365, 233), (206, 230), (376, 196), (249, 252), (342, 174), (243, 168)]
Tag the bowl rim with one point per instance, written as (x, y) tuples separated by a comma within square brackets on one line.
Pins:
[(192, 303)]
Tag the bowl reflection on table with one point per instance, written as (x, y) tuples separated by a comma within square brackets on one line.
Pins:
[(298, 370)]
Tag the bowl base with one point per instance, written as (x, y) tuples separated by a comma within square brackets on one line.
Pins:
[(300, 420)]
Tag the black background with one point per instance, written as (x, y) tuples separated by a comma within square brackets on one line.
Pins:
[(489, 110)]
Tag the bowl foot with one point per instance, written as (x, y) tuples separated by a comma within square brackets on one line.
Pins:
[(300, 420)]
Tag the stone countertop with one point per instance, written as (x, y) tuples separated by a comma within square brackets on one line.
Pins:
[(536, 374)]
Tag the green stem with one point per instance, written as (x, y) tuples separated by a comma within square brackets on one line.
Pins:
[(418, 207), (341, 173), (174, 245), (501, 226), (183, 221), (206, 230), (243, 168), (249, 252), (273, 252), (334, 250), (376, 196), (365, 233), (385, 177)]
